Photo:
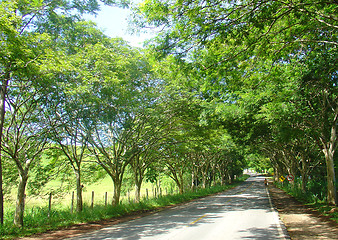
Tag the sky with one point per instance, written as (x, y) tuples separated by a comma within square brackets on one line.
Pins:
[(113, 21)]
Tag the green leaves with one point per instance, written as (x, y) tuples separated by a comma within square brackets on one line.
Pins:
[(266, 67)]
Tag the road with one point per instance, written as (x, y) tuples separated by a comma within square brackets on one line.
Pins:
[(244, 212)]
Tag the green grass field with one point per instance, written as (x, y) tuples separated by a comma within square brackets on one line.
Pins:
[(100, 188)]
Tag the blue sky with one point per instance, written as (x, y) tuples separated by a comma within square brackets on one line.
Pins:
[(113, 21)]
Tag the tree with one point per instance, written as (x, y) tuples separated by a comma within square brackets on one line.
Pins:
[(114, 78), (113, 150), (318, 87), (152, 135), (304, 111), (72, 141), (20, 23), (263, 25), (231, 44), (140, 164), (13, 58), (25, 137), (72, 102)]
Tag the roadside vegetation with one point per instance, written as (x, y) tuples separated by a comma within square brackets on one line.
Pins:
[(38, 219), (224, 85), (314, 197)]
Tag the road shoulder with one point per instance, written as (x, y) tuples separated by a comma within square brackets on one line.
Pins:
[(300, 221)]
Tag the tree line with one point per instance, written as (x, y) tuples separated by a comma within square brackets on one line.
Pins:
[(269, 69), (223, 83), (73, 98)]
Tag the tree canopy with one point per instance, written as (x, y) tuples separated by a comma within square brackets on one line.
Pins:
[(223, 86), (271, 65)]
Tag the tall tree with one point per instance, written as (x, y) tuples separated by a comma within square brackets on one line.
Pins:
[(24, 137), (71, 95), (233, 40), (113, 79), (155, 129), (20, 19), (72, 141)]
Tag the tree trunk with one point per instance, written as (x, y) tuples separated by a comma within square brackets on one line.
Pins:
[(222, 176), (79, 201), (3, 91), (181, 184), (304, 172), (232, 178), (1, 191), (138, 176), (180, 187), (276, 174), (213, 177), (331, 179), (329, 150), (204, 180), (138, 191), (117, 192), (193, 180), (20, 202), (223, 181), (229, 178)]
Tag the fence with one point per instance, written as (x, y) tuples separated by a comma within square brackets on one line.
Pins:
[(94, 198)]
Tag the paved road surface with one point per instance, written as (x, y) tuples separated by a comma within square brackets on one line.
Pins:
[(244, 212)]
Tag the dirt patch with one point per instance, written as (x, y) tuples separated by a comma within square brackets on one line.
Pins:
[(302, 222)]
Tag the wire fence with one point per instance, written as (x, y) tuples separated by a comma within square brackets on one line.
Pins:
[(91, 198)]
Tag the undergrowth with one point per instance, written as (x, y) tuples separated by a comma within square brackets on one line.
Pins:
[(314, 197), (37, 219)]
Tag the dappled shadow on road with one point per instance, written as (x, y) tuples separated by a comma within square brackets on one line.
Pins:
[(261, 233), (251, 195)]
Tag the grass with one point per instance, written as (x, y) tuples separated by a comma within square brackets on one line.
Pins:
[(314, 197), (37, 220), (325, 210)]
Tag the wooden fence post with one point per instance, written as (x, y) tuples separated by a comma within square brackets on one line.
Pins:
[(147, 193), (105, 198), (72, 204), (49, 205), (92, 205)]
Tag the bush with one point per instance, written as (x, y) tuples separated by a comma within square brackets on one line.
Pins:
[(315, 192), (315, 196)]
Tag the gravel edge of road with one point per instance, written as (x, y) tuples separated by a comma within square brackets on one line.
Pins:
[(288, 207), (281, 226)]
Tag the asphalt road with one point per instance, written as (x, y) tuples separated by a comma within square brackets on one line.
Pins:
[(244, 212)]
